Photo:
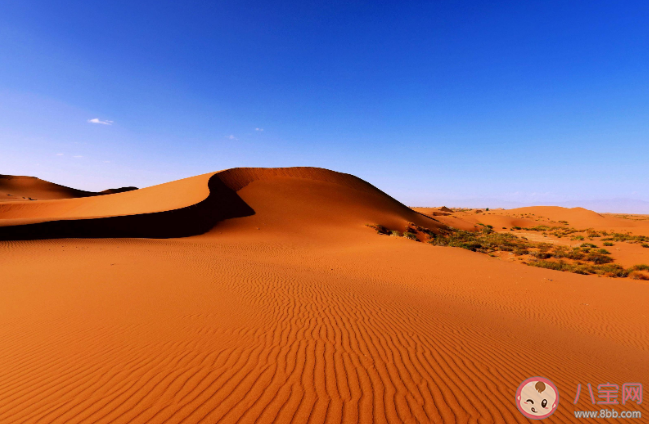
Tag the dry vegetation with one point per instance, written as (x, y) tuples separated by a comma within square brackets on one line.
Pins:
[(586, 259)]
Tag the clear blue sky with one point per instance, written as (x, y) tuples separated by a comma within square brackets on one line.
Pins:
[(522, 101)]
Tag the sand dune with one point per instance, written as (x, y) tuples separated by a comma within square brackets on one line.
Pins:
[(194, 205), (23, 188), (278, 304), (18, 188)]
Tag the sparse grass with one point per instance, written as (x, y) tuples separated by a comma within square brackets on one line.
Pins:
[(639, 275), (608, 270), (626, 237), (586, 259)]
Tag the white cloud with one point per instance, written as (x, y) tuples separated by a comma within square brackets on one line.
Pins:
[(259, 129), (59, 154), (99, 121), (77, 157), (232, 137), (106, 161)]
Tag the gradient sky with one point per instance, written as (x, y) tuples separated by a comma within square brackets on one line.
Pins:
[(433, 102)]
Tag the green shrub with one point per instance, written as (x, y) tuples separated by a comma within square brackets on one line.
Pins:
[(610, 270), (598, 258), (608, 243)]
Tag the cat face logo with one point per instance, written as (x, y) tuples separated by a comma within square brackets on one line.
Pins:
[(537, 398)]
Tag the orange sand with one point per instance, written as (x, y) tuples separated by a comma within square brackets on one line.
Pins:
[(278, 304)]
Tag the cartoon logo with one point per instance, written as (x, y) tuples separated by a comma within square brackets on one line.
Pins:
[(537, 398)]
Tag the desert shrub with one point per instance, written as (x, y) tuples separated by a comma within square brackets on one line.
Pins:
[(645, 245), (487, 230), (609, 270), (598, 258), (578, 237), (555, 265), (538, 228), (565, 252), (608, 243), (410, 236), (395, 233)]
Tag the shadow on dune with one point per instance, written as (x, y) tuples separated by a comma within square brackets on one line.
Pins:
[(222, 203)]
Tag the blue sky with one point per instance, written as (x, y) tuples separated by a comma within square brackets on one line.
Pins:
[(433, 102)]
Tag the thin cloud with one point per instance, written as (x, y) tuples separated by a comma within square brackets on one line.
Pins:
[(259, 129), (77, 157), (59, 154), (99, 121), (232, 137)]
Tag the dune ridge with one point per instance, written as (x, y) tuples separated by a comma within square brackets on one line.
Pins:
[(16, 187), (178, 209)]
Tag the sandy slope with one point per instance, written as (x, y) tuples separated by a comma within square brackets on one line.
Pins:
[(18, 188), (294, 311)]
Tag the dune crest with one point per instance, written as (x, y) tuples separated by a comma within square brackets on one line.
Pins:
[(17, 188), (195, 205)]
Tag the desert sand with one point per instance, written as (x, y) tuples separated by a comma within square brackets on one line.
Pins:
[(260, 295), (19, 188)]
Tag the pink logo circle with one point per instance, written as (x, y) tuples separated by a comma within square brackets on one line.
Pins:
[(537, 398)]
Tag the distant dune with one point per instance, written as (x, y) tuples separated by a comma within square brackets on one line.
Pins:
[(23, 188), (619, 205), (257, 295), (19, 188)]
